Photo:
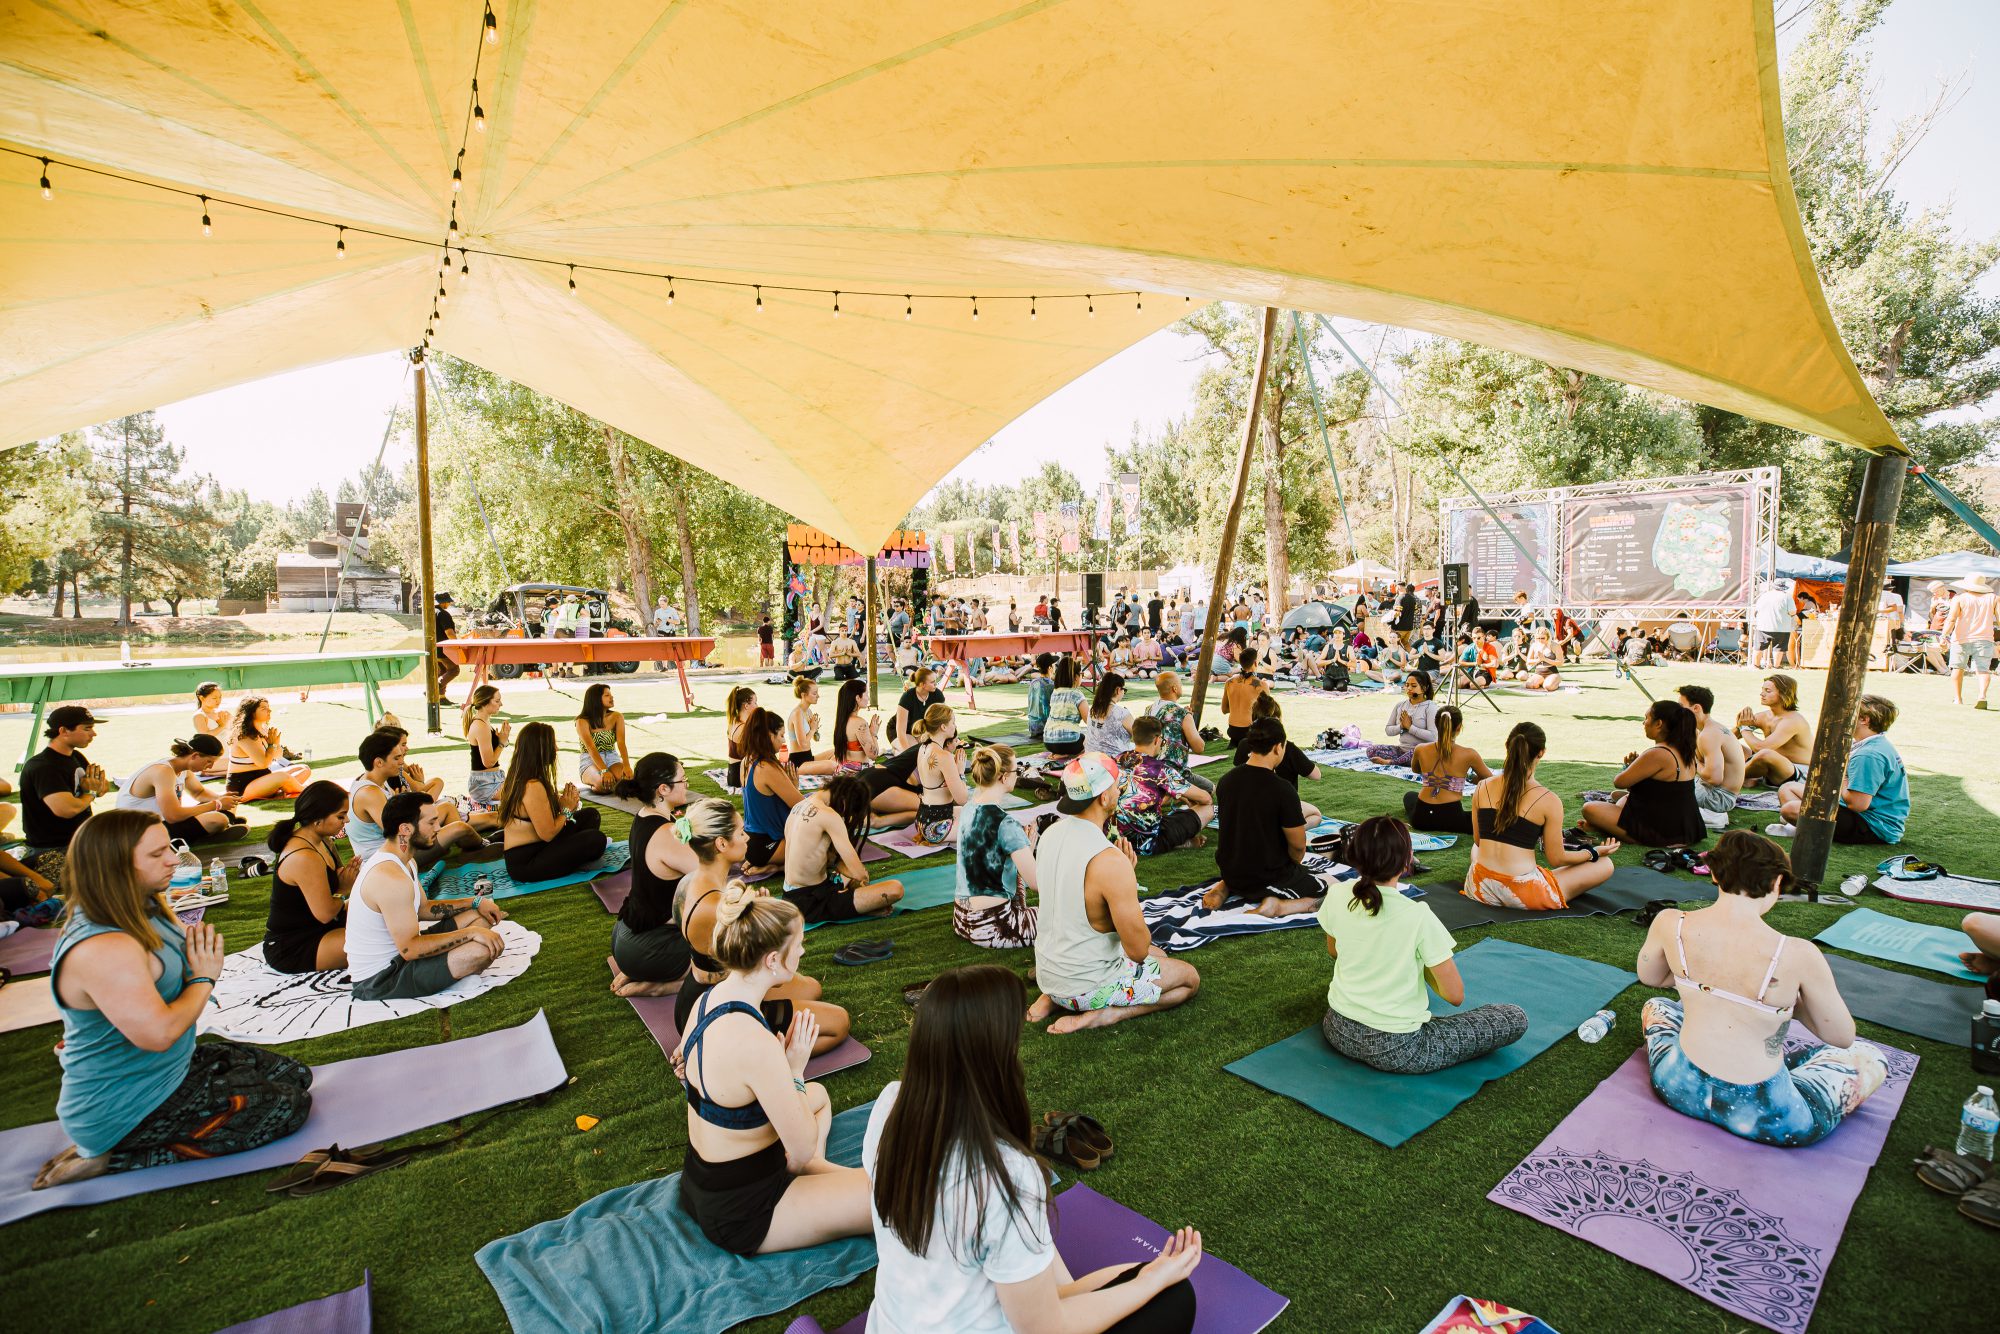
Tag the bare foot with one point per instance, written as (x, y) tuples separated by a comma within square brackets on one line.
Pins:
[(1041, 1009), (1199, 841), (1217, 895), (1071, 1023), (1983, 964), (625, 986), (68, 1166)]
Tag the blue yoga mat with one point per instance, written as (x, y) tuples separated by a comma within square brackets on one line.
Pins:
[(630, 1259), (1880, 936), (925, 887), (456, 883), (1557, 991)]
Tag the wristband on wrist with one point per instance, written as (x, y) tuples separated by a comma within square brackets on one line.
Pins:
[(799, 1083), (1593, 854)]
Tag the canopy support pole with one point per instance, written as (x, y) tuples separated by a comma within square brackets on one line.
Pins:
[(1874, 526), (1319, 416), (428, 593), (840, 743), (1218, 591)]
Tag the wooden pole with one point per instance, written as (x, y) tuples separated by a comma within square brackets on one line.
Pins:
[(429, 589), (1219, 589), (841, 742), (1874, 526)]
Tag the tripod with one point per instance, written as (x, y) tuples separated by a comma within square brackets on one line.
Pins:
[(1451, 691)]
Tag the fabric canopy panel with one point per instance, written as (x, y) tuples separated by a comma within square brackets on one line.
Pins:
[(1569, 179), (1950, 565)]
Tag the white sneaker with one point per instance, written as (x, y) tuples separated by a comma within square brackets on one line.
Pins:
[(1780, 830), (1717, 821)]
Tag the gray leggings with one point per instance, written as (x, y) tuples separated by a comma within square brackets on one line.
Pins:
[(1446, 1040)]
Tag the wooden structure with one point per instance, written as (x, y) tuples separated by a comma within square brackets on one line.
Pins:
[(680, 650), (965, 648)]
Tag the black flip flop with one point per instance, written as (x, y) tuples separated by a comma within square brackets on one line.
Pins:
[(863, 952)]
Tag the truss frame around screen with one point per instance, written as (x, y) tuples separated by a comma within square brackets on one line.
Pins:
[(1763, 557)]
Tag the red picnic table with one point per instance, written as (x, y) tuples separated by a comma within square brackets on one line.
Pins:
[(482, 654), (962, 649)]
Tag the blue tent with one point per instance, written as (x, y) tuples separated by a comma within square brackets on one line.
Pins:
[(1950, 565), (1791, 565)]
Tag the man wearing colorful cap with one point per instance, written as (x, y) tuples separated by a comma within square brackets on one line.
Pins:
[(57, 787), (1094, 958)]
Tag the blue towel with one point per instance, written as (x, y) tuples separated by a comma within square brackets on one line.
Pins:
[(1880, 936), (456, 883), (631, 1260)]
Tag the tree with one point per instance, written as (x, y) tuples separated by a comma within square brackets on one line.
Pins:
[(149, 514), (42, 499)]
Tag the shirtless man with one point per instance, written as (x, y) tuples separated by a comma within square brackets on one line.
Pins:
[(1240, 692), (1783, 740), (1718, 759)]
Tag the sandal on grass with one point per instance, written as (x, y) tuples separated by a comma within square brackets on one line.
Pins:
[(1066, 1138), (1950, 1173), (863, 952), (336, 1167), (1982, 1203), (1659, 859)]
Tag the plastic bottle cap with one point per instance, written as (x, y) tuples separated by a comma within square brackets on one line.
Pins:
[(1992, 1007), (1987, 1091)]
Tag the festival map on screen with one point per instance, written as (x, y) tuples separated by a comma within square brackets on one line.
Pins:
[(1659, 547), (1498, 570)]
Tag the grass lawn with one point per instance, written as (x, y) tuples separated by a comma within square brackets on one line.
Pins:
[(1360, 1237)]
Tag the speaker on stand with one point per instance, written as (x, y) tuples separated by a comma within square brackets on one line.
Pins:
[(1456, 583)]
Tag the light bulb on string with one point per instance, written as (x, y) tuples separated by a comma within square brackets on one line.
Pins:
[(975, 310), (906, 305), (444, 297), (464, 269), (670, 289), (1031, 309), (1138, 303), (458, 176), (207, 227), (478, 112), (48, 191), (572, 280), (451, 229), (760, 301), (340, 243), (1090, 304), (836, 305), (492, 28)]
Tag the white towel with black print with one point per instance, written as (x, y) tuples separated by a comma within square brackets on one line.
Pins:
[(1178, 922)]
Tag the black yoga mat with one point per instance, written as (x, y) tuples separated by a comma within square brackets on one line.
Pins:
[(1940, 1011), (1629, 889)]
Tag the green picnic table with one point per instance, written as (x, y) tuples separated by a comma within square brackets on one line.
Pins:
[(44, 683)]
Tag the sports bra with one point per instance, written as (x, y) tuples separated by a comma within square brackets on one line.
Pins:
[(705, 962), (1438, 783), (478, 766), (1683, 981), (747, 1117), (1523, 833)]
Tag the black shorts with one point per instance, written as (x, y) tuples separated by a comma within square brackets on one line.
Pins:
[(1849, 827), (846, 671), (798, 757), (1236, 735), (1774, 639), (409, 979), (828, 901), (191, 830), (659, 955), (298, 951), (733, 1202), (882, 780), (1439, 817), (239, 782), (761, 848), (1065, 748)]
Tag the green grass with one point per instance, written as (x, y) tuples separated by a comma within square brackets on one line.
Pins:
[(1360, 1237)]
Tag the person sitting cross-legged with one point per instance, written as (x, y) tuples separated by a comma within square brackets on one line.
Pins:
[(131, 982), (171, 788), (1718, 759), (649, 955), (1783, 742), (1656, 808), (1386, 948), (1718, 1053), (400, 945), (384, 754), (825, 878), (996, 860), (1262, 839), (1094, 958), (547, 833), (305, 930), (1874, 798), (1158, 808), (1295, 765), (1512, 815)]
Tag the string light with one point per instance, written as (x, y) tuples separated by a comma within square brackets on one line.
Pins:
[(1091, 303), (478, 112), (340, 243), (836, 305), (1031, 309), (207, 227), (975, 310), (444, 297), (451, 229), (760, 301), (48, 191), (492, 28), (458, 176), (1137, 302), (572, 279), (906, 305), (670, 289), (464, 269)]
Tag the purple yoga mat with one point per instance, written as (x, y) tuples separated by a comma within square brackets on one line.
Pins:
[(342, 1313), (29, 950), (359, 1101), (611, 890), (657, 1013), (1094, 1232), (1745, 1225)]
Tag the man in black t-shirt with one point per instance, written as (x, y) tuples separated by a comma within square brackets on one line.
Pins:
[(447, 628), (59, 784), (1406, 614), (1154, 607), (1262, 838)]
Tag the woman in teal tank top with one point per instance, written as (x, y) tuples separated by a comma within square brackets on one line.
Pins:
[(136, 1090)]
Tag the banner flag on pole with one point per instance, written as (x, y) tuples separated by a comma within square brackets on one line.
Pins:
[(1072, 525), (1128, 485), (1014, 543), (1101, 530)]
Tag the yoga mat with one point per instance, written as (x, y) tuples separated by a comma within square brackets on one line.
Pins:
[(925, 887), (1745, 1225), (360, 1101), (629, 805), (342, 1313), (1880, 936), (28, 1004), (1419, 841), (1470, 1315), (456, 883), (1557, 991), (254, 1002), (29, 950), (1003, 738), (1758, 799), (1947, 891), (630, 1259), (1629, 889), (657, 1014), (1940, 1011)]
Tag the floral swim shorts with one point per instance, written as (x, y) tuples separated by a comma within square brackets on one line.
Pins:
[(1136, 984)]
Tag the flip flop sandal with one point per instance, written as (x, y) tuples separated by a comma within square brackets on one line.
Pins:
[(1653, 908), (1659, 859), (1054, 1139), (1982, 1203), (913, 994), (1950, 1173), (340, 1168), (863, 952)]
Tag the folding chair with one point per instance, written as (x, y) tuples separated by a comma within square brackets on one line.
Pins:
[(1727, 645)]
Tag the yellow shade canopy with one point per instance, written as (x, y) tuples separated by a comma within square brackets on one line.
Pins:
[(1600, 185)]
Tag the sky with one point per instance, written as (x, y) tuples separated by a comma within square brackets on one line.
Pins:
[(331, 418)]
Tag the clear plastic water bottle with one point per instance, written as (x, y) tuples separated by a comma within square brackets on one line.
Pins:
[(1853, 885), (1977, 1121), (1594, 1028), (218, 878)]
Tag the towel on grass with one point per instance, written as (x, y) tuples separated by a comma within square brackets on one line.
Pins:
[(1178, 922), (457, 881)]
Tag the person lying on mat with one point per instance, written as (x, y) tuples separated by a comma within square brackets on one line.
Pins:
[(1718, 1053), (1658, 807), (755, 1177), (1158, 809), (305, 930), (1875, 795), (1386, 948), (995, 867), (485, 741), (1262, 839), (171, 789), (802, 730), (1781, 739), (1179, 736), (1718, 759), (769, 791), (547, 835), (960, 1205), (825, 878), (1094, 958), (1062, 733), (1412, 721), (382, 755), (400, 945), (603, 759), (940, 775), (131, 982), (649, 955), (257, 765), (1511, 814), (1295, 765), (409, 776), (1445, 768), (713, 831)]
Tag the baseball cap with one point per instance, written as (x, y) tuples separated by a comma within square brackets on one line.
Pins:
[(1085, 779), (70, 715)]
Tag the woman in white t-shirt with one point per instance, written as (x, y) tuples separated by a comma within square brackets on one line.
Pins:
[(959, 1204)]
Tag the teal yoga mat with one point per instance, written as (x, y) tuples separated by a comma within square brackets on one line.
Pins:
[(925, 887), (456, 883), (1880, 936), (1557, 991), (631, 1259)]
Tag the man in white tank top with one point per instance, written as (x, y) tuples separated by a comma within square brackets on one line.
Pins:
[(1094, 958), (401, 946)]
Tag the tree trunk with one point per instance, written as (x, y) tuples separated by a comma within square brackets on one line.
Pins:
[(632, 520), (56, 611), (173, 601), (76, 597), (1277, 561), (684, 535)]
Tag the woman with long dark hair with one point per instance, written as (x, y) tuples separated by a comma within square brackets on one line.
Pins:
[(547, 835), (769, 790), (1239, 695), (1512, 815), (1062, 733), (1658, 809), (854, 744), (258, 768), (649, 955), (959, 1204), (1386, 948), (604, 761), (306, 928), (825, 877), (738, 710), (1108, 727), (1412, 722)]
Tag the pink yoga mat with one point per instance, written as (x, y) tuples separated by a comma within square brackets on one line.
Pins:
[(1747, 1226), (657, 1013), (612, 890), (29, 950)]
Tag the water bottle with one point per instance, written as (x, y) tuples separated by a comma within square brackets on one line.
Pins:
[(1976, 1123), (1986, 1039), (1853, 885), (218, 878), (1594, 1028), (482, 887), (187, 875), (124, 650)]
